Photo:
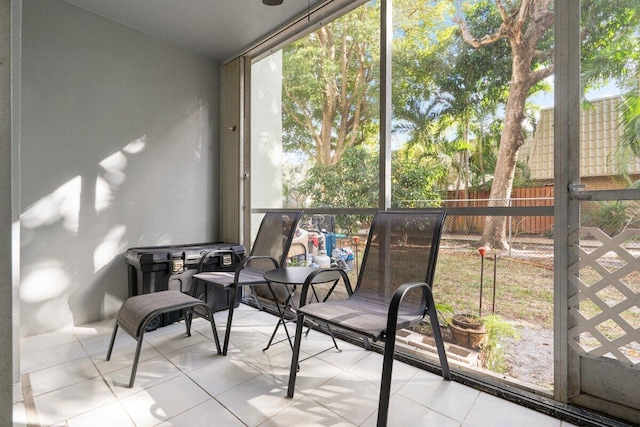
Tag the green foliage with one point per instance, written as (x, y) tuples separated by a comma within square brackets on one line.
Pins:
[(475, 78), (630, 113), (351, 183), (331, 86), (609, 40), (448, 97), (611, 51), (446, 93), (421, 32), (445, 313), (612, 217), (492, 350), (414, 181)]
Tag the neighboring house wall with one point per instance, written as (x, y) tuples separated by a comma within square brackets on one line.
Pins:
[(600, 163), (119, 149)]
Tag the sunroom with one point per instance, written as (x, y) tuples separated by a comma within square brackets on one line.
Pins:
[(135, 124)]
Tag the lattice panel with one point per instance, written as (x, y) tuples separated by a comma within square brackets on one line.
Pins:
[(606, 309)]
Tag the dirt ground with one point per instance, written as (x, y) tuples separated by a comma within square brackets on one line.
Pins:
[(531, 357)]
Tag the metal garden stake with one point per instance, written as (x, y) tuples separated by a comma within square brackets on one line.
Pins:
[(482, 250)]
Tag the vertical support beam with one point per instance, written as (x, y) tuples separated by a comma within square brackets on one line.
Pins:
[(245, 198), (230, 162), (10, 30), (566, 171), (386, 39)]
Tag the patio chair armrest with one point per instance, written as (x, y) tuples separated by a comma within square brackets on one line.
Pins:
[(396, 299), (332, 273), (245, 262), (217, 252), (392, 322)]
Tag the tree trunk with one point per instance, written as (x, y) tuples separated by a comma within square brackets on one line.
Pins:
[(523, 39), (494, 234)]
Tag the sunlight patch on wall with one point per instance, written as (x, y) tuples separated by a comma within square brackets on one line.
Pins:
[(114, 173), (114, 166), (45, 280), (111, 246), (104, 195), (199, 123), (136, 146), (63, 204)]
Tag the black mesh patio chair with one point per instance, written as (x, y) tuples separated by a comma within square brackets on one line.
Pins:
[(393, 291), (269, 251)]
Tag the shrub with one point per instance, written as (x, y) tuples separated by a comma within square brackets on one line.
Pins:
[(492, 351)]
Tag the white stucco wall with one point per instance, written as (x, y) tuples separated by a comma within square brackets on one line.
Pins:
[(266, 132), (119, 149), (266, 136)]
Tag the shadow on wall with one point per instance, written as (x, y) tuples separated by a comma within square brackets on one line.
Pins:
[(153, 191), (117, 133), (53, 290)]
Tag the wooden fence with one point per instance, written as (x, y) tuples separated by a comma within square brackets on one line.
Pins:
[(531, 196)]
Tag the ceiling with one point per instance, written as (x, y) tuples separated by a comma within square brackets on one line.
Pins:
[(218, 29)]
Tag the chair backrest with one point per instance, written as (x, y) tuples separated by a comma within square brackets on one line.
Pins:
[(274, 238), (402, 247)]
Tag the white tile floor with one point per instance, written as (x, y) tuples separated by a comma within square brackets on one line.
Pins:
[(182, 382)]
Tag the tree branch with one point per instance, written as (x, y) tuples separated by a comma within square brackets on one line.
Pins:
[(503, 12), (542, 73), (523, 14), (469, 38)]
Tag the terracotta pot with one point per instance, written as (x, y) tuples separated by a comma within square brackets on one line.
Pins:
[(469, 334), (467, 321)]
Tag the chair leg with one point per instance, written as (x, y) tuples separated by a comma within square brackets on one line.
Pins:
[(335, 343), (214, 330), (225, 347), (366, 343), (136, 358), (113, 340), (295, 357), (188, 318), (437, 336), (385, 384), (254, 295)]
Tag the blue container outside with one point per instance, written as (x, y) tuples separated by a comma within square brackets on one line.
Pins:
[(330, 242)]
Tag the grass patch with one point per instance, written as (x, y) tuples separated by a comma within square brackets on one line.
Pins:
[(524, 291)]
